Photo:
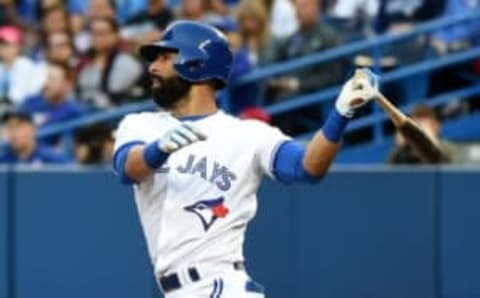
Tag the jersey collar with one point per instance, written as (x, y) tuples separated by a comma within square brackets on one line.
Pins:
[(197, 117)]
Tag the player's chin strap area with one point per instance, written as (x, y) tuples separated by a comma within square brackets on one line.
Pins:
[(171, 282)]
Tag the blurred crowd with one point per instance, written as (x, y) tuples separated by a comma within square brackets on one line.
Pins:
[(62, 59)]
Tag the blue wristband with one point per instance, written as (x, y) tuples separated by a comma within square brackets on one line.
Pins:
[(334, 128), (153, 156)]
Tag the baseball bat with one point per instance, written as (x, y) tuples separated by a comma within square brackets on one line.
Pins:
[(426, 148)]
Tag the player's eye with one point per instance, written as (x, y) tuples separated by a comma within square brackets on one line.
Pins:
[(162, 56)]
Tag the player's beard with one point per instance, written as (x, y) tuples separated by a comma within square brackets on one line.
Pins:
[(170, 92)]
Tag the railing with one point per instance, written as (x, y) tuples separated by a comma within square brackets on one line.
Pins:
[(436, 101), (323, 95), (328, 94), (334, 53)]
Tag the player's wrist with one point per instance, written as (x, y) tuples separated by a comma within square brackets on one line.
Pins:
[(154, 156), (334, 127)]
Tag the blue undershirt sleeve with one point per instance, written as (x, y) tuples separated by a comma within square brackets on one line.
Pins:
[(120, 160), (288, 164)]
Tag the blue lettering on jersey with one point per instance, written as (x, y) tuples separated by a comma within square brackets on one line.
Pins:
[(201, 167), (227, 178), (219, 175), (188, 167), (217, 172)]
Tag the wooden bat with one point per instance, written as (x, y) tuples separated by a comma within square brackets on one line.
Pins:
[(426, 148)]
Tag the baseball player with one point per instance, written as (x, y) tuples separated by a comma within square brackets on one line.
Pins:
[(196, 170)]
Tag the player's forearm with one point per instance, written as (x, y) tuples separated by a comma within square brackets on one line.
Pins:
[(324, 146), (319, 155), (143, 160), (136, 167)]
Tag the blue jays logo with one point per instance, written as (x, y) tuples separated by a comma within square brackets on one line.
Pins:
[(208, 211)]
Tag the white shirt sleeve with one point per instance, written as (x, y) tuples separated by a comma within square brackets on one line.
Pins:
[(26, 79), (129, 130), (267, 140)]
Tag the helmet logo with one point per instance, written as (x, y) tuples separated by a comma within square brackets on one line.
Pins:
[(204, 44)]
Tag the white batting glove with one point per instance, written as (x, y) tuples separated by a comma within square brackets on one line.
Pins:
[(180, 136), (357, 92)]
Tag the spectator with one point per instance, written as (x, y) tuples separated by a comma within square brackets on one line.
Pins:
[(397, 17), (240, 97), (124, 9), (54, 18), (313, 36), (56, 103), (31, 10), (252, 18), (19, 132), (94, 144), (451, 39), (146, 26), (428, 120), (108, 76), (461, 36), (60, 49), (219, 7), (101, 9), (196, 10), (283, 20), (354, 18), (8, 14), (349, 9), (19, 76), (80, 25), (156, 16)]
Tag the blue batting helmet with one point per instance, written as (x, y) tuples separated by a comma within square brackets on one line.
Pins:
[(203, 52)]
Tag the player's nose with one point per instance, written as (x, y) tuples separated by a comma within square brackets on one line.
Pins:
[(153, 68), (156, 67)]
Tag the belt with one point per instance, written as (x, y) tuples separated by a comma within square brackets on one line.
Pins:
[(172, 281)]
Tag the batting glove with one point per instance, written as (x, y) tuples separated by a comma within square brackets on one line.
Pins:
[(180, 136), (357, 92)]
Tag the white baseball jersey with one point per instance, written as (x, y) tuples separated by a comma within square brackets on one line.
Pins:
[(195, 208)]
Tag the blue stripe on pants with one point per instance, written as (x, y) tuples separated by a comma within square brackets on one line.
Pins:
[(215, 286), (221, 288)]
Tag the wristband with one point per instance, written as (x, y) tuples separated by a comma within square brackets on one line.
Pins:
[(334, 128), (153, 156)]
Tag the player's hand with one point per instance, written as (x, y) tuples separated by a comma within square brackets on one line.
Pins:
[(357, 92), (179, 137)]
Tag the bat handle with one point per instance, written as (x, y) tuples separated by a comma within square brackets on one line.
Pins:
[(397, 117)]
